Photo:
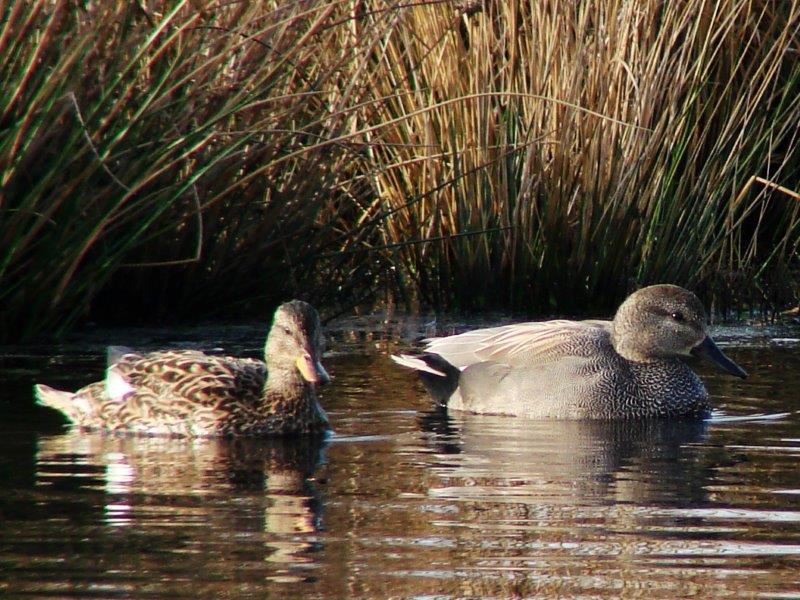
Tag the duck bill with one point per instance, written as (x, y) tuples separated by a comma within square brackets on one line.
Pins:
[(312, 370), (708, 349)]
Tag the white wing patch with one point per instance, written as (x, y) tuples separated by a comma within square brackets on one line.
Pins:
[(117, 388)]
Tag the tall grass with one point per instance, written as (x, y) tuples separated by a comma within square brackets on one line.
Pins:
[(181, 159), (165, 158), (611, 139)]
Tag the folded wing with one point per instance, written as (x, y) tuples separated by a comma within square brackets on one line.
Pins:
[(187, 375), (518, 344)]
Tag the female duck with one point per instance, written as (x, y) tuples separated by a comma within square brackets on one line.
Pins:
[(631, 367), (188, 393)]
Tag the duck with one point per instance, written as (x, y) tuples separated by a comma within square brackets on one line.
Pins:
[(632, 367), (187, 393)]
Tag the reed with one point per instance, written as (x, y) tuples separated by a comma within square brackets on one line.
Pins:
[(611, 140), (185, 159), (168, 159)]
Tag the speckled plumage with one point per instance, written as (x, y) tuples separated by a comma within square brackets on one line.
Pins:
[(189, 393), (631, 367)]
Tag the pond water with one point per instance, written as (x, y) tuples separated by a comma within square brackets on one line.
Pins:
[(403, 501)]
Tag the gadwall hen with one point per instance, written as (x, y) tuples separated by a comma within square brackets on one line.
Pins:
[(631, 367), (189, 393)]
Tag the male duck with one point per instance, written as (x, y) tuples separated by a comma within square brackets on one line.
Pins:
[(631, 367), (188, 393)]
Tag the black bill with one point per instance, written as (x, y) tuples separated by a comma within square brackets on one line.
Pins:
[(708, 349)]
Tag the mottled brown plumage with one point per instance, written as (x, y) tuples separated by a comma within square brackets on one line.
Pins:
[(189, 393)]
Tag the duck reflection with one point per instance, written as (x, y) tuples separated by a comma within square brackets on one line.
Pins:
[(527, 501), (236, 502), (637, 461)]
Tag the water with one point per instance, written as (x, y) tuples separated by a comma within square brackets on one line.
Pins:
[(403, 501)]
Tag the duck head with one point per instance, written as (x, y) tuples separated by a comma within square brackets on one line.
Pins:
[(295, 341), (666, 321)]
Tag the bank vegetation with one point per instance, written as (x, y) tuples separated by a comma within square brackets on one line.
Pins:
[(194, 159)]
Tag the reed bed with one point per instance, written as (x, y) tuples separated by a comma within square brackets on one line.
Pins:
[(604, 145), (163, 160), (171, 159)]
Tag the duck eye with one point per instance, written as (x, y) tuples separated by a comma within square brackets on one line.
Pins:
[(678, 316), (287, 331)]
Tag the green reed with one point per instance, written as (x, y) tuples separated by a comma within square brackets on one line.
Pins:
[(167, 161)]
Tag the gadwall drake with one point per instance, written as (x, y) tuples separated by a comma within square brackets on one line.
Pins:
[(631, 367), (189, 393)]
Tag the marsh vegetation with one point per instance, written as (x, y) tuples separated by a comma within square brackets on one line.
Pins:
[(184, 159)]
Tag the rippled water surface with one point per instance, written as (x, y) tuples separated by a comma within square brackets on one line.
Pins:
[(403, 501)]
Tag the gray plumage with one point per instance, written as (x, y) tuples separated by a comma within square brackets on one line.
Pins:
[(631, 367)]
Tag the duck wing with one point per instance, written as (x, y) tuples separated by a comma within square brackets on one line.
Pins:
[(185, 376), (172, 392), (520, 344)]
